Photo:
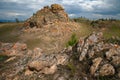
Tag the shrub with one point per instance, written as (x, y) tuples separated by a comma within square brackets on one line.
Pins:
[(73, 40)]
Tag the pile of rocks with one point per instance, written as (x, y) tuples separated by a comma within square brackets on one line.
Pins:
[(91, 57), (28, 62), (105, 57), (47, 15), (12, 49)]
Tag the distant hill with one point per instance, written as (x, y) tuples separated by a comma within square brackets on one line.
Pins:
[(5, 20), (2, 21)]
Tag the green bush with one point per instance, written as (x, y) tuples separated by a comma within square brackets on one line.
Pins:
[(73, 40)]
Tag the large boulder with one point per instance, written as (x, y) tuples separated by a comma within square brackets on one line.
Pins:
[(47, 63)]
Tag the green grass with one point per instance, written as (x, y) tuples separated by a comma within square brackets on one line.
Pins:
[(8, 32), (72, 67), (112, 31), (73, 40), (32, 43)]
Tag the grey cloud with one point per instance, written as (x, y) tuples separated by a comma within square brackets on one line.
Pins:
[(108, 8)]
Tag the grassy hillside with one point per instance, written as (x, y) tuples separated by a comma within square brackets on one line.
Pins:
[(9, 32), (110, 28)]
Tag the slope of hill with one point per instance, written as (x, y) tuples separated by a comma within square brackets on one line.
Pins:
[(49, 26)]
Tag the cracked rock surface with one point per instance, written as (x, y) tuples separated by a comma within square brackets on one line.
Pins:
[(88, 59)]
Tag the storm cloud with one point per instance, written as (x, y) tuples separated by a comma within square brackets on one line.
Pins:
[(93, 9)]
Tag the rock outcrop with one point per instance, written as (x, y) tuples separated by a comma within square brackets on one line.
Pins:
[(90, 59), (28, 61), (49, 26), (103, 57), (47, 15)]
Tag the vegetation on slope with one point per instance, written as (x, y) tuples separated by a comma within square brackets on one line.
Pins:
[(9, 32)]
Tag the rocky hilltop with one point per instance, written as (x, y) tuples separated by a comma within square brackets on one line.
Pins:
[(49, 26), (91, 58), (47, 15)]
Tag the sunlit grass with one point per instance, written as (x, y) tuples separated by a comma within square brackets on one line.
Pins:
[(8, 32), (112, 31)]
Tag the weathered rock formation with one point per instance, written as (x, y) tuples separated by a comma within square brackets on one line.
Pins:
[(49, 26), (47, 15), (91, 58), (103, 57), (21, 60)]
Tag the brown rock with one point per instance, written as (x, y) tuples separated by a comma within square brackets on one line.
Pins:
[(116, 60), (111, 52), (91, 53), (62, 59), (28, 72), (50, 70), (19, 46), (80, 45), (83, 54), (37, 53), (46, 16), (36, 65), (106, 70), (95, 65), (10, 59), (56, 7)]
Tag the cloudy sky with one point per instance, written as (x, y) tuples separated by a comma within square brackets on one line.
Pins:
[(23, 9)]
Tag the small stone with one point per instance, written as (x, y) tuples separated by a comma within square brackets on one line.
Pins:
[(36, 65), (28, 72), (93, 38), (95, 65), (62, 59), (50, 70), (111, 53), (19, 46), (115, 60), (83, 54), (91, 53), (69, 48), (107, 70), (16, 78), (56, 7), (10, 59), (37, 53), (80, 45), (61, 78)]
